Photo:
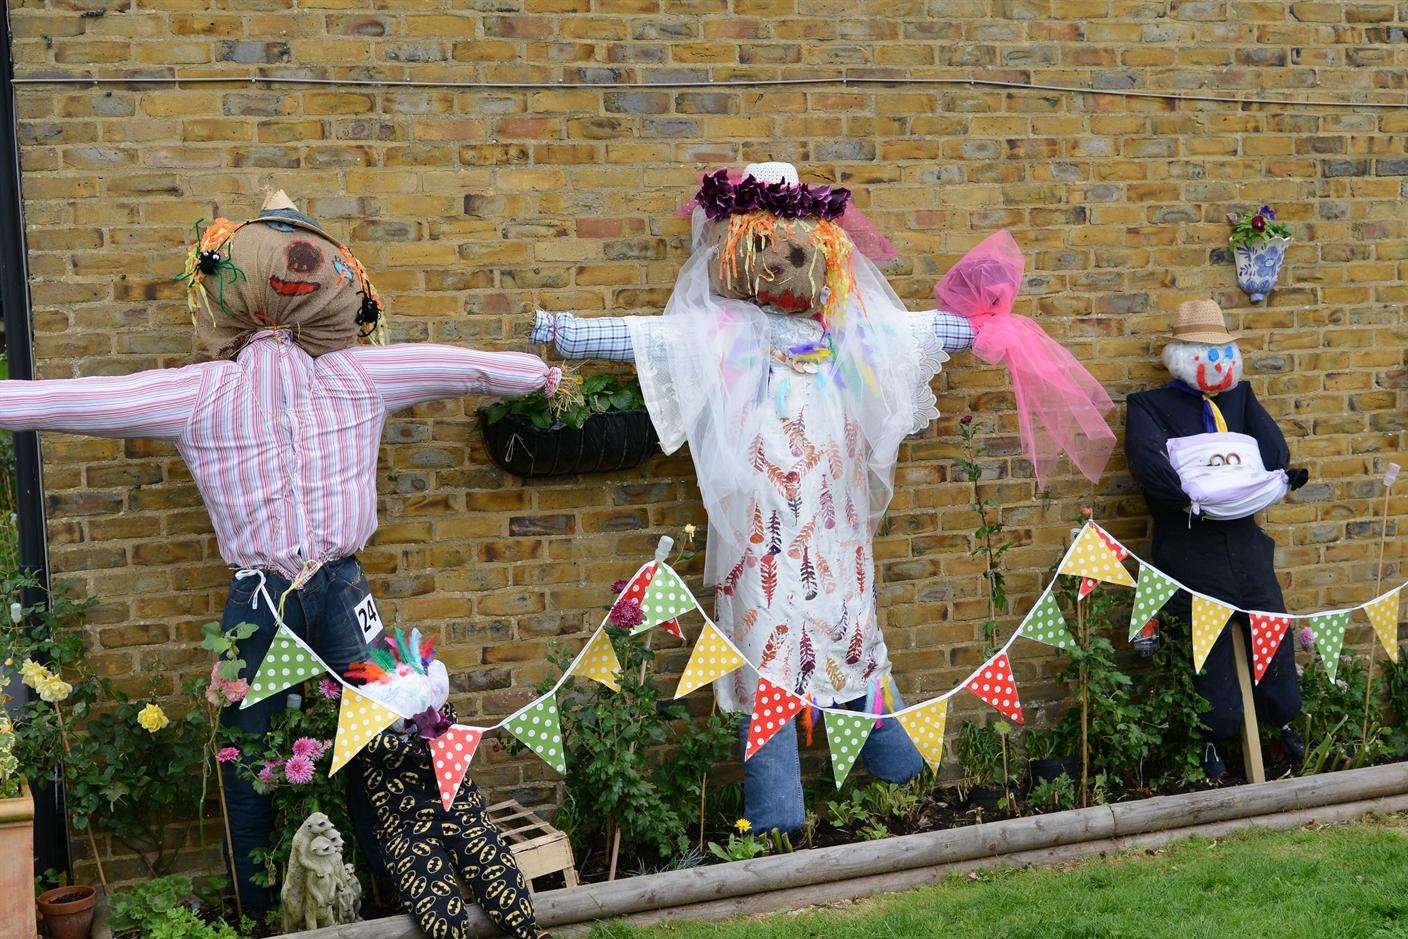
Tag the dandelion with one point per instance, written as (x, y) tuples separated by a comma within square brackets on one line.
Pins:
[(152, 718), (308, 748), (743, 826), (227, 754), (627, 614), (299, 770), (329, 688), (1306, 638)]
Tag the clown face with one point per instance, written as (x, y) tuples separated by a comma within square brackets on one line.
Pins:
[(1206, 367)]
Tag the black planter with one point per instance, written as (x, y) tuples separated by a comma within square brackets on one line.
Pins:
[(984, 797), (616, 440), (1050, 770)]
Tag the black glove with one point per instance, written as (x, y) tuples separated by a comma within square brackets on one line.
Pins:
[(1298, 476)]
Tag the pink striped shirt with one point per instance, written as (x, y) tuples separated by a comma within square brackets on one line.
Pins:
[(283, 446)]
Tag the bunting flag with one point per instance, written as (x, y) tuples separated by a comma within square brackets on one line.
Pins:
[(1046, 624), (1209, 616), (665, 598), (1329, 637), (1091, 556), (452, 752), (925, 726), (1150, 595), (1383, 616), (359, 719), (1268, 629), (995, 684), (635, 590), (598, 660), (672, 626), (845, 735), (537, 727), (1087, 586), (287, 663), (773, 707), (713, 658)]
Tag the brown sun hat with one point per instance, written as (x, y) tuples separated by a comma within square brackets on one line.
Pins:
[(1200, 321)]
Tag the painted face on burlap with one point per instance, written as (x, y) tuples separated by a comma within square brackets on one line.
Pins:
[(292, 274), (783, 271), (1209, 368)]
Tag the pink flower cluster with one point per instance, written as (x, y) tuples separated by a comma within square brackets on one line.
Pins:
[(223, 691), (298, 769), (329, 688), (626, 614)]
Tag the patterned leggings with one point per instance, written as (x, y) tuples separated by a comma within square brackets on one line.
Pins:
[(425, 847)]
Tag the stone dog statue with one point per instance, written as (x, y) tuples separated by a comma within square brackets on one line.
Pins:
[(319, 889)]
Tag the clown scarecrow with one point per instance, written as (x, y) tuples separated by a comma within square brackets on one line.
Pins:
[(280, 432), (1208, 458), (793, 371)]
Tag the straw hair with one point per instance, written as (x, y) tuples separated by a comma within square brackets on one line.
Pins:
[(1200, 321)]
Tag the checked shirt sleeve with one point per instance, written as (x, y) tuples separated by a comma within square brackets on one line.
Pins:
[(154, 403), (954, 332), (410, 373), (598, 337)]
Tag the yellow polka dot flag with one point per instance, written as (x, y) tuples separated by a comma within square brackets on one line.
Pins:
[(598, 661), (1090, 556), (358, 721), (713, 658), (1209, 617), (1383, 616), (925, 726)]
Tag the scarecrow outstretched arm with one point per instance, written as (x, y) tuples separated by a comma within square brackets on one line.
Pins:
[(154, 403), (954, 331), (410, 373), (1146, 450), (597, 337)]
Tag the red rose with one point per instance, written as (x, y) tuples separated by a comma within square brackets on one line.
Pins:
[(1258, 222)]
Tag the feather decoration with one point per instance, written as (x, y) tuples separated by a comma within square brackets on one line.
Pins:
[(749, 617), (383, 659), (404, 652), (833, 671), (839, 633), (757, 536), (852, 437), (772, 647), (775, 534), (799, 543), (833, 461), (792, 488), (730, 581), (427, 651), (870, 666), (857, 640), (366, 672), (768, 576), (828, 579), (851, 517), (860, 569), (808, 575), (806, 661), (828, 508)]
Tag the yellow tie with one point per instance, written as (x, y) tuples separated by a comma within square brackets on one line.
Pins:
[(1216, 414)]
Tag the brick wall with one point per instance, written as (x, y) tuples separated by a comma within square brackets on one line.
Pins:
[(472, 206)]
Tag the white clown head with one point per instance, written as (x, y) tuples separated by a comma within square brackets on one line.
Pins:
[(407, 678), (1203, 354)]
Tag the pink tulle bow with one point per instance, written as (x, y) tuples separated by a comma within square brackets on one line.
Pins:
[(1060, 406)]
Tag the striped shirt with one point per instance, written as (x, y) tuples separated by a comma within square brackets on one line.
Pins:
[(282, 446)]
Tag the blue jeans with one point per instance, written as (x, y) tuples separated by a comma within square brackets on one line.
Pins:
[(323, 614), (772, 779)]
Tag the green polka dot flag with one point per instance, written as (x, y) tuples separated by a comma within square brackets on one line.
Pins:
[(1150, 595), (1046, 624), (1329, 638), (845, 735), (539, 730), (665, 598), (287, 663)]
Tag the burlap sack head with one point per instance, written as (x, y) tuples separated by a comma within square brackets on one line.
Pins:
[(775, 263)]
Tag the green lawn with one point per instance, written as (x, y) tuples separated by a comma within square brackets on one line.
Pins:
[(1347, 881)]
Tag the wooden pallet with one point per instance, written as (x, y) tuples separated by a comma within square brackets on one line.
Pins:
[(539, 848)]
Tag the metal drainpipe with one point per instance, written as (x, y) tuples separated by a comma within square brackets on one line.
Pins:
[(51, 847)]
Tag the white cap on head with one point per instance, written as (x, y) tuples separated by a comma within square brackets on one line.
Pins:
[(784, 173)]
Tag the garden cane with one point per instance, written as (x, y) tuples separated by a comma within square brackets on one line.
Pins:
[(1390, 477)]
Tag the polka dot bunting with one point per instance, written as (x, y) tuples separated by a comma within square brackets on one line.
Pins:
[(598, 660), (359, 719), (1268, 630), (1329, 638), (287, 663), (1046, 624), (996, 685), (713, 658), (1090, 556), (665, 598), (1118, 550), (538, 728), (672, 626), (635, 590), (1209, 616), (1383, 616), (451, 753), (925, 726), (773, 707), (845, 735), (1150, 595)]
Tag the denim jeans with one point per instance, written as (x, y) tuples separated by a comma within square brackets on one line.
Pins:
[(772, 779), (323, 614)]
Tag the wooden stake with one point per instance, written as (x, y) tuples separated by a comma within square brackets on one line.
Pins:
[(1084, 704), (229, 844), (1373, 646), (1251, 737)]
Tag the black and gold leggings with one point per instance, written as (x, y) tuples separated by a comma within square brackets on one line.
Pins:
[(426, 848)]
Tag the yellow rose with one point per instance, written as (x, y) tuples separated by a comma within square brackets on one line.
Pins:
[(54, 689), (152, 718), (33, 673)]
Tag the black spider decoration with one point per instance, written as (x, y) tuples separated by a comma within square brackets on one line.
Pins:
[(368, 315)]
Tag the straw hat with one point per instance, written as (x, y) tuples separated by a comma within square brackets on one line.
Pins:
[(1200, 321)]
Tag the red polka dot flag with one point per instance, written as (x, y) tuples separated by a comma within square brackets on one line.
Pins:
[(773, 707), (451, 752), (635, 590), (996, 685), (1267, 632)]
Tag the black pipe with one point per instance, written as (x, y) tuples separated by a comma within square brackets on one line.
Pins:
[(51, 846)]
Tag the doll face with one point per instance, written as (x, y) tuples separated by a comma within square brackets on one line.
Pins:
[(1209, 368), (783, 270)]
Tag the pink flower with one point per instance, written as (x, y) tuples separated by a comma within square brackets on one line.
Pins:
[(1306, 638), (227, 754), (268, 775), (627, 614), (236, 690), (618, 586), (215, 695), (299, 770), (308, 748), (329, 688)]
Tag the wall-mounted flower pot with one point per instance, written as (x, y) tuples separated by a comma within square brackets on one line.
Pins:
[(68, 911), (1259, 265), (605, 443), (17, 864)]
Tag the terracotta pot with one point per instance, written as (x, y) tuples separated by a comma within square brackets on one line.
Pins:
[(68, 911), (17, 866)]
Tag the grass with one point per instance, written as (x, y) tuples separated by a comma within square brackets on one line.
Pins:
[(1332, 881)]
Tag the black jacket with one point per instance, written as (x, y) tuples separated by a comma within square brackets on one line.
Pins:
[(1230, 560)]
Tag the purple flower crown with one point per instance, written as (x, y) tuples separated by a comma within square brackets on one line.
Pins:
[(721, 198)]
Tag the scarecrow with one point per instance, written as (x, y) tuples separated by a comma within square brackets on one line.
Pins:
[(280, 432), (794, 372), (1208, 457)]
